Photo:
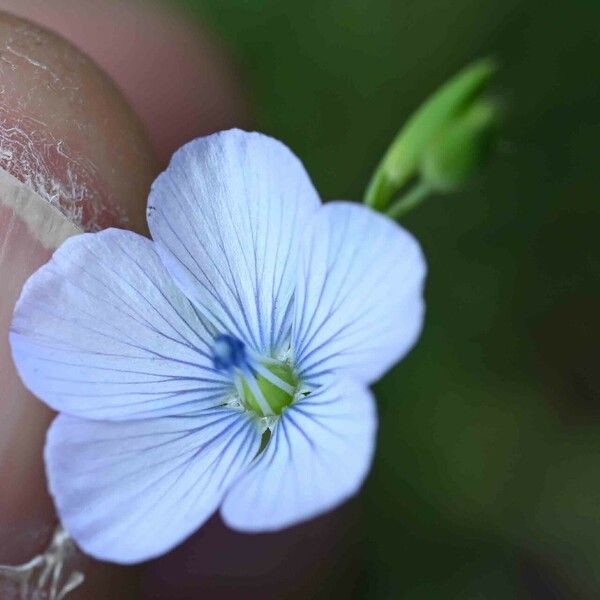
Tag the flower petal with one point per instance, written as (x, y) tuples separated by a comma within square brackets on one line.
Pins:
[(318, 456), (128, 491), (101, 331), (227, 216), (358, 305)]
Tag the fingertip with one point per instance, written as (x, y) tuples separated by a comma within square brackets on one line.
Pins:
[(68, 139), (66, 132), (178, 77)]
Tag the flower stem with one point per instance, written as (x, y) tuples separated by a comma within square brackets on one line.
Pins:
[(410, 200)]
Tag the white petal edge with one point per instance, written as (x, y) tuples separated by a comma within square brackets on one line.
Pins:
[(227, 216), (101, 331), (359, 299), (318, 457), (129, 491)]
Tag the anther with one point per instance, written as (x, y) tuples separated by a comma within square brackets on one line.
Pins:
[(228, 353)]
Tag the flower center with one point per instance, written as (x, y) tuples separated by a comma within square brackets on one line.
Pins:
[(276, 395), (264, 385)]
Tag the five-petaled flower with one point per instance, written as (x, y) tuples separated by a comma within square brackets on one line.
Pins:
[(225, 362)]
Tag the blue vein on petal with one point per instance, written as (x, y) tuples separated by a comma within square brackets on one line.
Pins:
[(139, 294)]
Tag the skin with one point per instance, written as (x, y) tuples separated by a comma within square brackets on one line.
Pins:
[(169, 67), (66, 132)]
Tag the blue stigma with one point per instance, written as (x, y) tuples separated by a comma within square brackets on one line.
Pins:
[(228, 352)]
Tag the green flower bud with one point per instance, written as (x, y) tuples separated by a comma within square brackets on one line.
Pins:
[(403, 158), (458, 152)]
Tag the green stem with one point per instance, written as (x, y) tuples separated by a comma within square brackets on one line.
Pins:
[(410, 200)]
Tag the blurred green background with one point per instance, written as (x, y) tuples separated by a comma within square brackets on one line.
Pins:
[(487, 477)]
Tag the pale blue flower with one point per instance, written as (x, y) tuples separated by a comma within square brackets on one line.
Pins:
[(255, 316)]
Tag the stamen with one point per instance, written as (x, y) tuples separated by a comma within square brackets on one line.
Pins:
[(264, 385), (257, 359), (274, 379), (228, 352), (239, 386), (265, 407)]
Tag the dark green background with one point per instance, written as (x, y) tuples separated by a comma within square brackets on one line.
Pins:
[(487, 477)]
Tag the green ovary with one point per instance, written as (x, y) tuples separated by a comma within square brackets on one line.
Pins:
[(277, 398)]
